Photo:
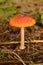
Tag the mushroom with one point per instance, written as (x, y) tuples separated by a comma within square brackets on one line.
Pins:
[(22, 22)]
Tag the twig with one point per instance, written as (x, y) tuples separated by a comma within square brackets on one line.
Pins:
[(17, 42), (36, 41)]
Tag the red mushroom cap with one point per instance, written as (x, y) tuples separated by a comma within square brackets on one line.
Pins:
[(22, 21)]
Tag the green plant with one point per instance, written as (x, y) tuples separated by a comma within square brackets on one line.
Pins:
[(38, 20)]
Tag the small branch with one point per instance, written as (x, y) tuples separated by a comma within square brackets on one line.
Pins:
[(36, 41), (17, 42), (27, 41)]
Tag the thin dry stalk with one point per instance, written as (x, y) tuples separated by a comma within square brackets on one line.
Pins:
[(16, 42)]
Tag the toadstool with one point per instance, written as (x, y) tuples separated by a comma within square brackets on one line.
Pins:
[(22, 22)]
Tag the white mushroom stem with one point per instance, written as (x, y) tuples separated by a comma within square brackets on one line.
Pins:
[(22, 46)]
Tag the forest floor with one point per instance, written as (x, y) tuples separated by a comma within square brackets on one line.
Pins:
[(33, 53)]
